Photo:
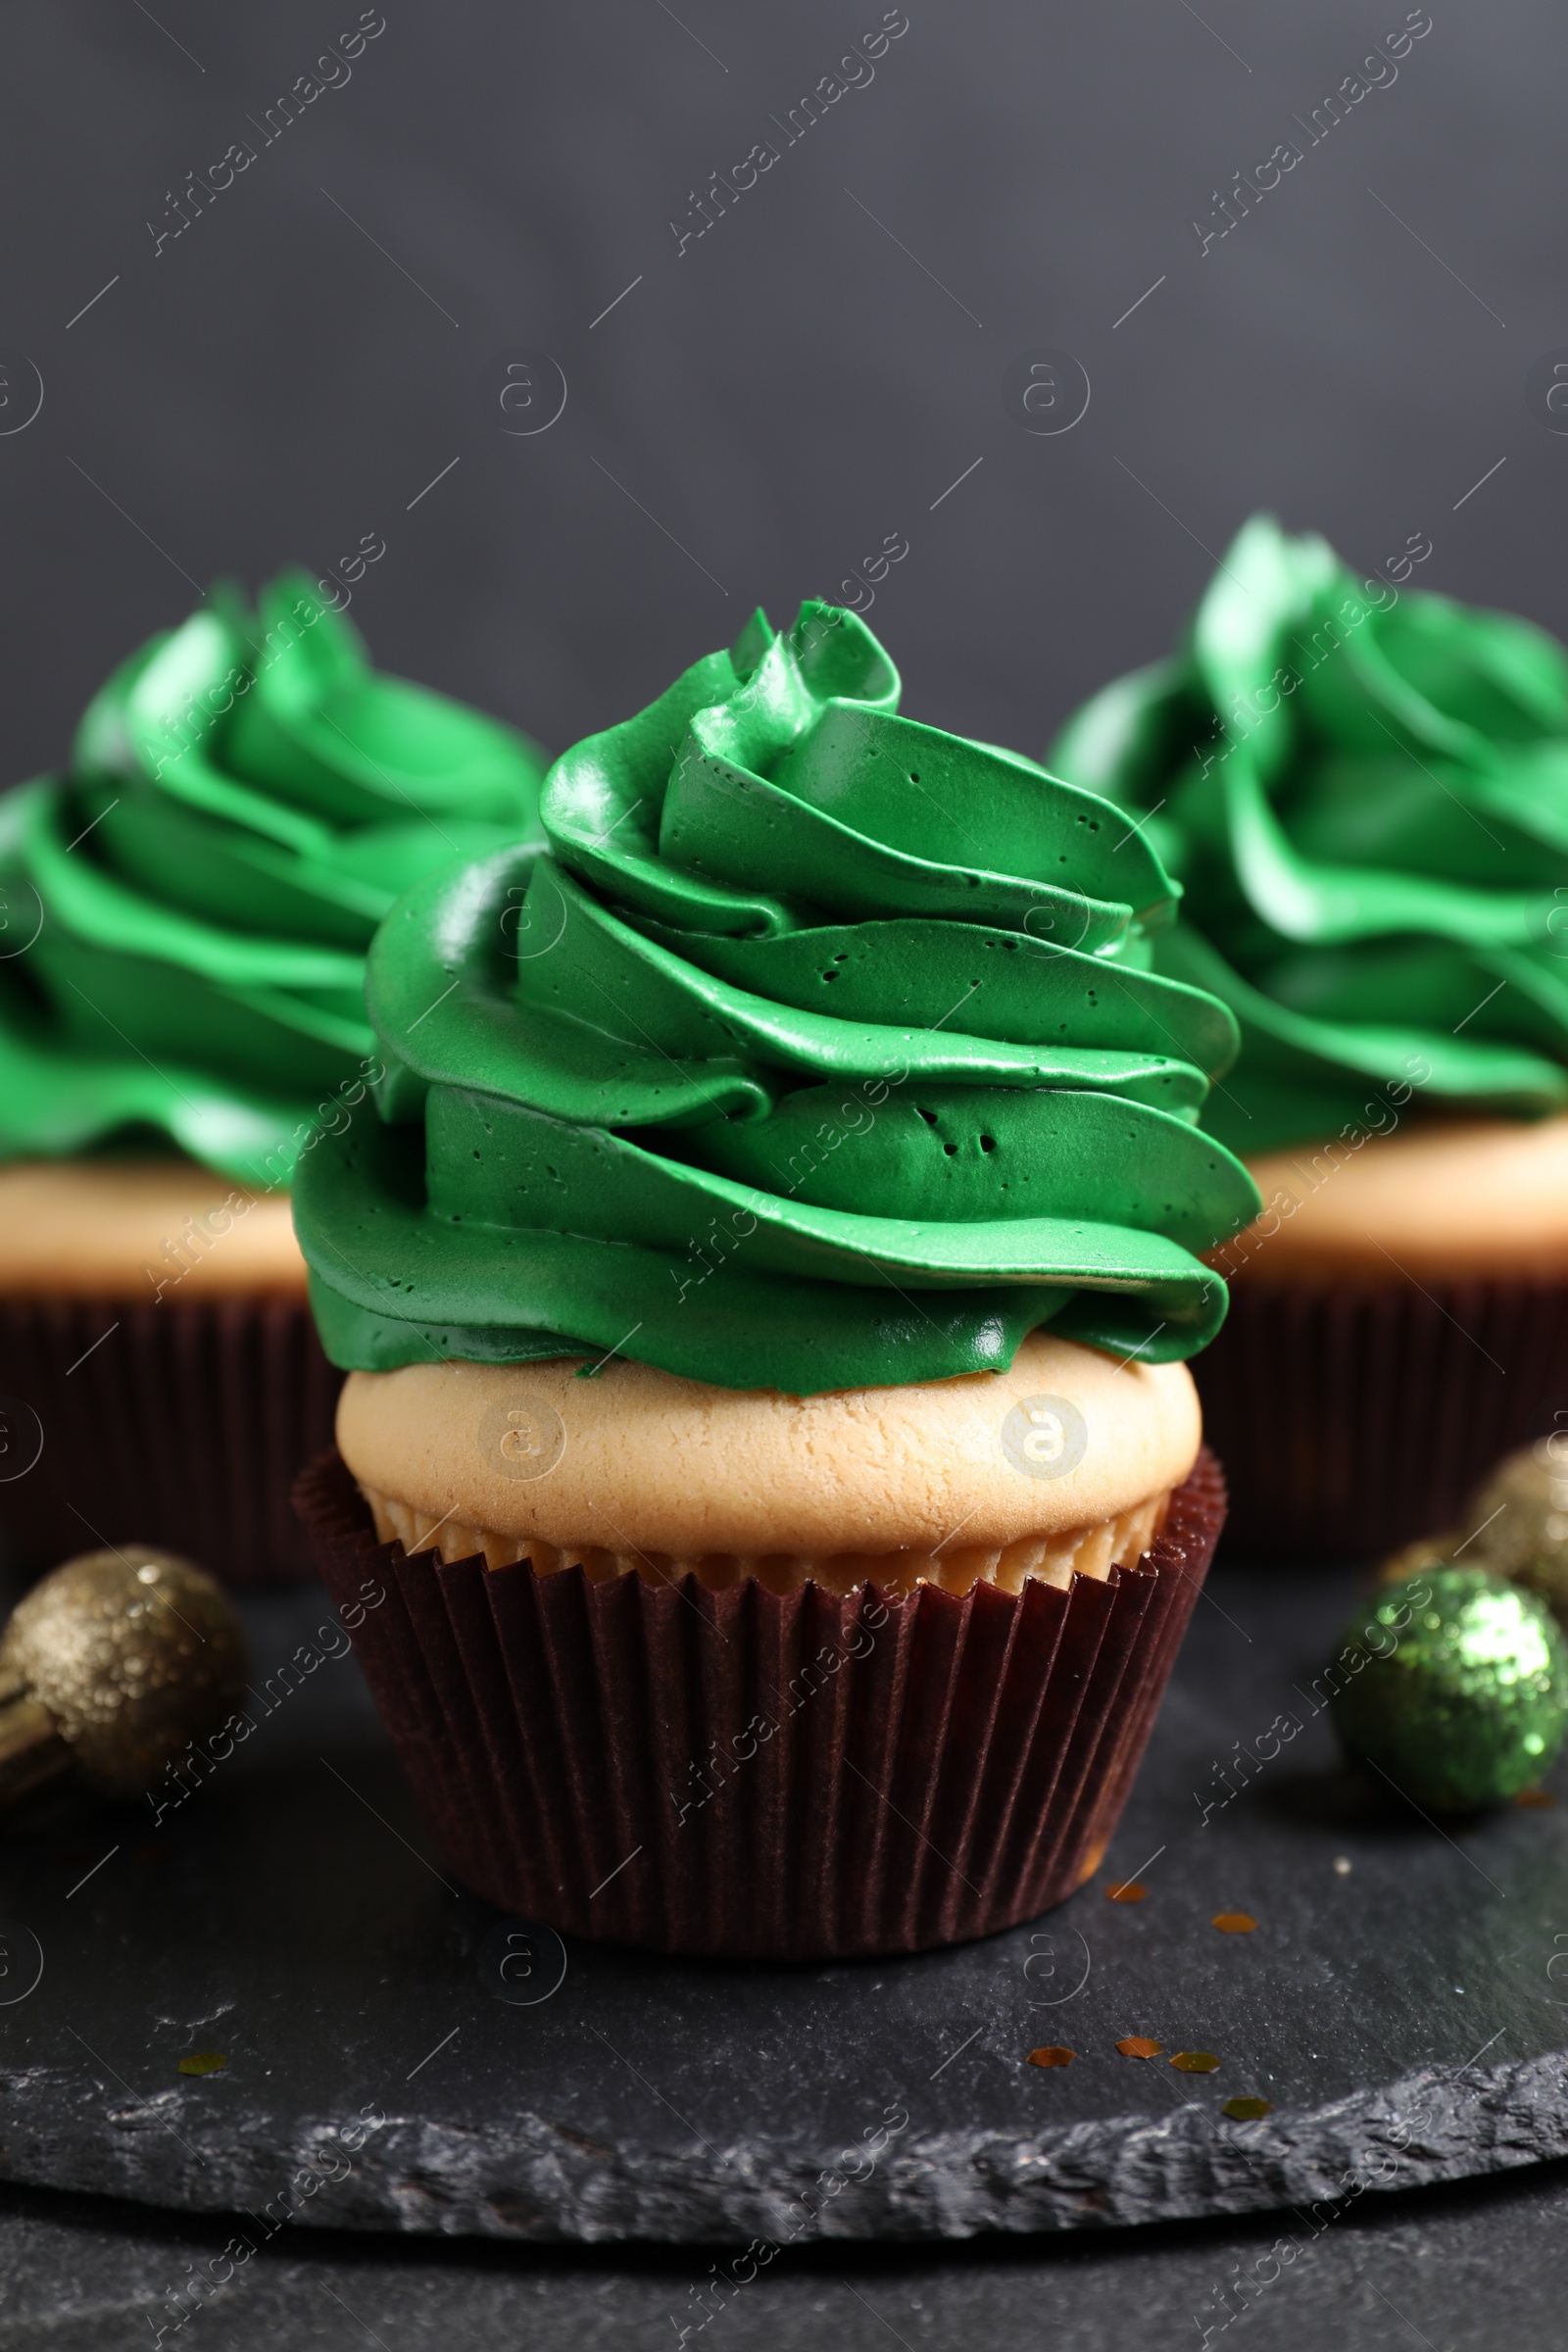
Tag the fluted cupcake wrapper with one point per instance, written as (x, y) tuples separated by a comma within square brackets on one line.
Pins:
[(750, 1774), (182, 1424), (1354, 1418)]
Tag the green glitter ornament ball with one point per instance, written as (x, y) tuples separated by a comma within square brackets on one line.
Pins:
[(1454, 1685)]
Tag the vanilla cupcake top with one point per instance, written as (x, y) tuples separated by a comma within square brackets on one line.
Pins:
[(1063, 1438), (1363, 789), (185, 911), (820, 1050)]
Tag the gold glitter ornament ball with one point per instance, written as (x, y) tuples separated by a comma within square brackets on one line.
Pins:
[(133, 1653), (1522, 1514), (1427, 1551)]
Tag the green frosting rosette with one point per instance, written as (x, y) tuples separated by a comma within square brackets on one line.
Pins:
[(184, 913), (818, 1051), (1363, 789)]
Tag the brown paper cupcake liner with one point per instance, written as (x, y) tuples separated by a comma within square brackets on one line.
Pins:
[(1352, 1418), (753, 1774), (953, 1567), (182, 1425)]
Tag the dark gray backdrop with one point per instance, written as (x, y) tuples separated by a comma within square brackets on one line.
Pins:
[(804, 380)]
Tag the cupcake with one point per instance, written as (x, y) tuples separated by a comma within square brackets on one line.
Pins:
[(1362, 788), (185, 916), (766, 1306)]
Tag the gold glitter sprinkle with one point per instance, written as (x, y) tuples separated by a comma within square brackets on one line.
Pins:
[(1246, 2111), (204, 2062), (1135, 2046), (1233, 1922), (1195, 2062), (1127, 1890), (1056, 2055)]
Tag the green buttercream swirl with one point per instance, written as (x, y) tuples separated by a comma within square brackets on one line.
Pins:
[(184, 913), (1363, 789), (816, 1051)]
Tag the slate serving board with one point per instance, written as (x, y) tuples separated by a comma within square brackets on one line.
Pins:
[(396, 2057)]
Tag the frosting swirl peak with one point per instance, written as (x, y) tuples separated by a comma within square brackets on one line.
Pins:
[(188, 906), (1363, 789), (816, 1051)]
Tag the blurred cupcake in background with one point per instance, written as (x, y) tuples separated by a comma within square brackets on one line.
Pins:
[(766, 1305), (1362, 788), (185, 914)]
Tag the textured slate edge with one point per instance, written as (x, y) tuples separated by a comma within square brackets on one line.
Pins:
[(539, 2182)]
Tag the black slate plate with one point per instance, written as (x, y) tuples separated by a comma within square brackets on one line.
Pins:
[(1403, 2016)]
